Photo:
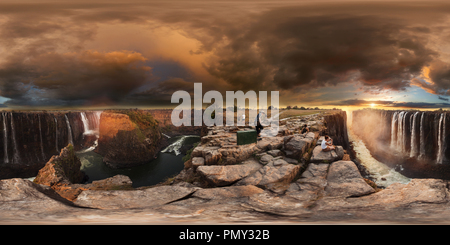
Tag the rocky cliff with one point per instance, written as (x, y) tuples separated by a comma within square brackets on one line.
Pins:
[(128, 138), (336, 128), (30, 139), (416, 140)]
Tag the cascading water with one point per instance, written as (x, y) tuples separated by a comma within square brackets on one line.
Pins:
[(414, 150), (382, 174), (393, 132), (85, 122), (441, 139), (422, 137), (5, 139), (91, 127), (70, 138), (175, 146), (16, 158)]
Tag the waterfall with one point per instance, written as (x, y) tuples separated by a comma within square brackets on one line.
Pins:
[(56, 136), (393, 133), (40, 136), (91, 124), (441, 139), (70, 131), (422, 137), (85, 122), (97, 115), (16, 158), (414, 150), (5, 139), (399, 144)]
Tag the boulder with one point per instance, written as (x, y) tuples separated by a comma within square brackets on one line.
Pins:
[(265, 158), (275, 153), (123, 199), (228, 174), (233, 154), (345, 180), (197, 162), (275, 172), (320, 156), (270, 143), (295, 146), (60, 172), (117, 182), (62, 169)]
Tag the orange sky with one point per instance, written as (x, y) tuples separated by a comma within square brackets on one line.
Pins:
[(325, 54)]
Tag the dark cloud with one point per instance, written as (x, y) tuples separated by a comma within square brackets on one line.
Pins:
[(289, 49), (442, 98), (73, 78), (47, 58), (161, 93)]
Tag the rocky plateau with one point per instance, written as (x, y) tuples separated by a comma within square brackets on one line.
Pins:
[(281, 179)]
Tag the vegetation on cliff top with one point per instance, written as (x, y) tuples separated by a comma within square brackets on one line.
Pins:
[(144, 121)]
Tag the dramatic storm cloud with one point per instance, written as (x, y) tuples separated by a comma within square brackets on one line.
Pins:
[(138, 54)]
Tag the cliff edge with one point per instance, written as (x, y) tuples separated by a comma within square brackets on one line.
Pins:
[(128, 138)]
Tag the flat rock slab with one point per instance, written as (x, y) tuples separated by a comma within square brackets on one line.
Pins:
[(344, 180), (311, 183), (24, 195), (267, 202), (278, 171), (228, 174), (150, 197), (227, 192)]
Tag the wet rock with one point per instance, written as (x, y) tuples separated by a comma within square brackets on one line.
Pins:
[(228, 174), (121, 199)]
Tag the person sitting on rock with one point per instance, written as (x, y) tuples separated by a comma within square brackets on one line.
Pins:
[(327, 144), (305, 129)]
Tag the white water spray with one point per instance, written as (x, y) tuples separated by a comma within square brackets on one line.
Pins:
[(381, 173)]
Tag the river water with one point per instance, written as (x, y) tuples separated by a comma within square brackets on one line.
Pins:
[(382, 174), (167, 164)]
